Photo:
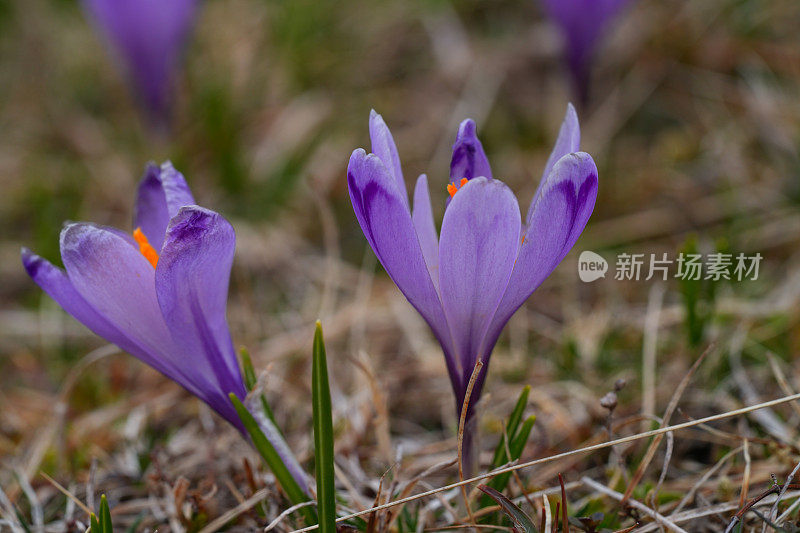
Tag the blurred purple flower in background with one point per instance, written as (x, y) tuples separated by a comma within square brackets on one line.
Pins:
[(468, 281), (160, 295), (582, 23), (149, 37)]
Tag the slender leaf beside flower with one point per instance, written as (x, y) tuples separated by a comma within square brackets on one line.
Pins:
[(250, 381), (105, 516), (101, 523), (500, 456), (248, 371), (512, 442), (273, 459), (323, 435), (515, 448), (94, 524)]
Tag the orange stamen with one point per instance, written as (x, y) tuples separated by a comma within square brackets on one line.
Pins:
[(145, 247), (452, 188)]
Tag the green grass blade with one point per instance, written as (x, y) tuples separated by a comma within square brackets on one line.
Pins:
[(272, 459), (514, 419), (249, 373), (94, 525), (323, 435), (105, 516), (519, 408), (515, 446), (250, 380)]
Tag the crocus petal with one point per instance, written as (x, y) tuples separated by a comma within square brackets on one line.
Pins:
[(151, 206), (422, 216), (191, 282), (162, 192), (559, 216), (469, 160), (57, 285), (118, 283), (114, 278), (176, 191), (148, 35), (387, 225), (383, 146), (477, 250), (569, 140)]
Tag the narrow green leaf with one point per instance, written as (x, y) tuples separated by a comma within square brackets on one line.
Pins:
[(250, 380), (519, 408), (105, 516), (247, 369), (518, 444), (515, 446), (272, 459), (520, 520), (500, 457), (94, 525), (323, 435)]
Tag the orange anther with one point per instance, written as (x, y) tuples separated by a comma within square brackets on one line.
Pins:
[(452, 188), (145, 247)]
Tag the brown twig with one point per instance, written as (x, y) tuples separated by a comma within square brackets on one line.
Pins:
[(774, 509), (461, 421), (776, 488), (67, 493)]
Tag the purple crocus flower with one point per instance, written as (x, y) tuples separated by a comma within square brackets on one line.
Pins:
[(160, 294), (148, 36), (467, 281), (582, 23)]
